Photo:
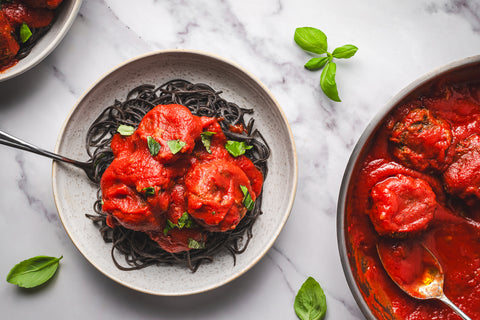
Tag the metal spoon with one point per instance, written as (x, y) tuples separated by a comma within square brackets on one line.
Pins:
[(11, 141), (427, 283)]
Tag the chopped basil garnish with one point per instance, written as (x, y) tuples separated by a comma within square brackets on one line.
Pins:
[(207, 139), (194, 244), (247, 198), (149, 191), (34, 271), (25, 33), (237, 148), (125, 130), (153, 146), (310, 302), (176, 145), (185, 221)]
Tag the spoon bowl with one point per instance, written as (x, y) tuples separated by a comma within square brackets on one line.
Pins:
[(416, 270)]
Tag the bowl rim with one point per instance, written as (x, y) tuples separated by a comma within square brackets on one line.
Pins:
[(48, 49), (364, 138), (292, 192)]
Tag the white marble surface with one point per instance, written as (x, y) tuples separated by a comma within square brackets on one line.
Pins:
[(398, 41)]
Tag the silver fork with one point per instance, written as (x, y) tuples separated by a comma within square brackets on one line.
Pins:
[(14, 142)]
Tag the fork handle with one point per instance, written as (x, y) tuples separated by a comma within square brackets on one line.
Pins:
[(11, 141)]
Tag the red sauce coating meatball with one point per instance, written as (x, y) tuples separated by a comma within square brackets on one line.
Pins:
[(402, 205), (50, 4), (18, 13), (462, 177), (158, 193), (421, 140), (8, 45), (214, 194)]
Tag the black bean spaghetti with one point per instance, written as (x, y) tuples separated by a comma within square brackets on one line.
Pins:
[(137, 248)]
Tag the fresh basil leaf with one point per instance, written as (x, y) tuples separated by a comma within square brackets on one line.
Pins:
[(207, 139), (185, 221), (125, 130), (34, 271), (344, 52), (310, 302), (176, 145), (168, 226), (327, 81), (311, 39), (25, 33), (149, 191), (237, 148), (247, 198), (316, 63), (194, 244), (153, 146)]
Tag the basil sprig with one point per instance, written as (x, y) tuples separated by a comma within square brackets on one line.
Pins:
[(315, 41), (310, 302), (237, 148), (34, 271)]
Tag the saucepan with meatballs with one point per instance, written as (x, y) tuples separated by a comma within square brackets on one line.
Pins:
[(414, 177)]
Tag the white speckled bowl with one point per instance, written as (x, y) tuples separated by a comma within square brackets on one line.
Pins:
[(75, 194), (66, 15)]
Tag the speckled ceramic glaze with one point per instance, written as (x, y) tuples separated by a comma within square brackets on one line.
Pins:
[(75, 194), (66, 15)]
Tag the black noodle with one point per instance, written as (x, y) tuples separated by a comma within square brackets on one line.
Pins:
[(137, 248)]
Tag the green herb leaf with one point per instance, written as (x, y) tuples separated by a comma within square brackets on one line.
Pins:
[(25, 33), (149, 191), (237, 148), (327, 81), (194, 244), (344, 52), (247, 198), (185, 221), (314, 40), (207, 139), (34, 271), (169, 226), (311, 39), (125, 130), (316, 63), (310, 302), (153, 146), (176, 145)]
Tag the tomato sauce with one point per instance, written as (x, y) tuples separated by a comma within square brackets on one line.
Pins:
[(177, 194), (418, 179), (13, 14)]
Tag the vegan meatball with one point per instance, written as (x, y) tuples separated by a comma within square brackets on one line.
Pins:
[(421, 140), (402, 205), (462, 177)]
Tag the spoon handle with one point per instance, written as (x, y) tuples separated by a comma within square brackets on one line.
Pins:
[(454, 308)]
